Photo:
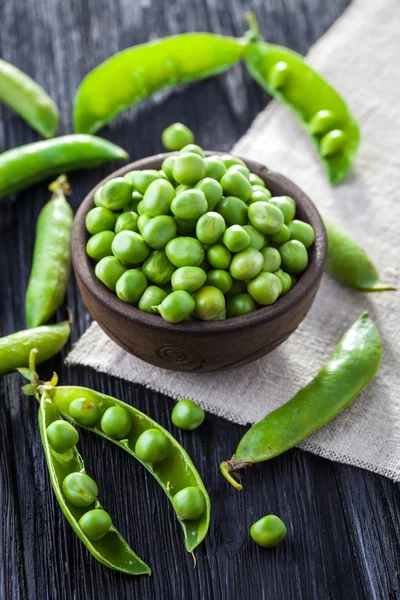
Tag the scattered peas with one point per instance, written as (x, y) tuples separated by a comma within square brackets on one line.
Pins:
[(187, 415), (268, 531)]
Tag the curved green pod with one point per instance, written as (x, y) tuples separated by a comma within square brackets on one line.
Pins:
[(111, 550), (173, 473), (347, 371), (350, 264), (25, 97), (51, 266), (286, 76), (25, 165), (15, 348), (135, 73)]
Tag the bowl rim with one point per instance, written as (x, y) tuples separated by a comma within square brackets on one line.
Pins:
[(84, 269)]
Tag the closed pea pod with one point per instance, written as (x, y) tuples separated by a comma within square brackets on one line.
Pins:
[(352, 364), (51, 259)]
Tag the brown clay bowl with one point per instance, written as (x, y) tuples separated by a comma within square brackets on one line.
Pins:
[(200, 346)]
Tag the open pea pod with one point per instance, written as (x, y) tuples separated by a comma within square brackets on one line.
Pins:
[(174, 473), (111, 550), (319, 107)]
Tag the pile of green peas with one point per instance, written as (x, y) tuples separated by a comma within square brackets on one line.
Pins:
[(202, 238)]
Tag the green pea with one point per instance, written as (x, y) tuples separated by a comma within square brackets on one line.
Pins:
[(256, 180), (241, 304), (189, 279), (210, 228), (294, 256), (265, 288), (257, 239), (259, 195), (271, 259), (140, 208), (212, 190), (189, 205), (116, 422), (99, 245), (246, 264), (286, 205), (285, 280), (130, 247), (233, 210), (152, 296), (187, 415), (230, 160), (209, 302), (176, 136), (303, 232), (84, 411), (278, 74), (189, 503), (109, 269), (159, 231), (130, 286), (79, 489), (185, 252), (220, 279), (116, 193), (176, 307), (259, 188), (322, 122), (215, 168), (268, 531), (158, 268), (192, 149), (127, 221), (188, 168), (142, 222), (238, 287), (62, 436), (167, 166), (240, 169), (282, 236), (218, 256), (152, 446), (236, 184), (182, 188), (332, 143), (265, 217), (185, 227), (158, 197), (236, 238), (142, 179), (97, 197), (222, 315), (100, 219), (95, 524)]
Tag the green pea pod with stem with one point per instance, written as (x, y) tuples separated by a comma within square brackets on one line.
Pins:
[(135, 73), (27, 98), (15, 348), (26, 165), (350, 264), (319, 107), (352, 364), (51, 266), (111, 550)]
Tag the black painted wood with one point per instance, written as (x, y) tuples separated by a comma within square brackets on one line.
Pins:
[(343, 523)]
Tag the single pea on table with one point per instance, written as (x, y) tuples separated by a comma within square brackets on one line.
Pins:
[(176, 242)]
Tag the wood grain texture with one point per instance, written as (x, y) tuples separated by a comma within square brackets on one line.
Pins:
[(343, 523)]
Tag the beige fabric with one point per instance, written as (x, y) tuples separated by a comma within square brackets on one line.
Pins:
[(360, 55)]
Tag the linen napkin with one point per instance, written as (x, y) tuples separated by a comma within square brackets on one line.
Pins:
[(360, 56)]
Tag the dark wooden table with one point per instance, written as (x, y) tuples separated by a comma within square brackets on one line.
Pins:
[(343, 522)]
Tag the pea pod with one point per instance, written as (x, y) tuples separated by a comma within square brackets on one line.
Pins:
[(319, 107), (15, 348), (174, 473), (52, 257), (28, 99), (111, 550), (25, 165), (352, 364), (349, 263), (135, 73)]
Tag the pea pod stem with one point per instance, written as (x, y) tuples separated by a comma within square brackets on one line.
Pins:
[(352, 364)]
